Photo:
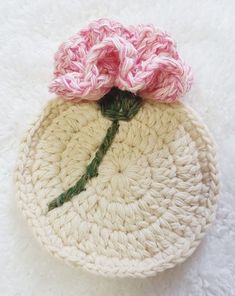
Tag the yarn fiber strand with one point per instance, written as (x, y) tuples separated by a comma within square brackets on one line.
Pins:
[(91, 170)]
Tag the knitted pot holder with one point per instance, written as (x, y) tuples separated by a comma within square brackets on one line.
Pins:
[(116, 175)]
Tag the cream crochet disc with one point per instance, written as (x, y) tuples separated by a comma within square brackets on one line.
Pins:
[(151, 203)]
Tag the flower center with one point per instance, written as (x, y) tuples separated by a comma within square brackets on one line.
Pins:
[(120, 105)]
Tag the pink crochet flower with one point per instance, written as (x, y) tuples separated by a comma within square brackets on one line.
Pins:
[(141, 59), (117, 67)]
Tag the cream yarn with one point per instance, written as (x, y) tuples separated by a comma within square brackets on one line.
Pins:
[(151, 203)]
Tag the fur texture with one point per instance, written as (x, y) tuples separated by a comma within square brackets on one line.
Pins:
[(30, 33)]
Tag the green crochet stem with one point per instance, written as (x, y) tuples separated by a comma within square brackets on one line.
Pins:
[(115, 105)]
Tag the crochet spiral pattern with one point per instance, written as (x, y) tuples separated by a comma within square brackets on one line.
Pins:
[(151, 203), (116, 175)]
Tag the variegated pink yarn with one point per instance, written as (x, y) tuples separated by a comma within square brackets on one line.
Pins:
[(141, 59)]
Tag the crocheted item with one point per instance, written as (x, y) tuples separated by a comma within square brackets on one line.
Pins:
[(142, 60), (151, 203), (119, 183)]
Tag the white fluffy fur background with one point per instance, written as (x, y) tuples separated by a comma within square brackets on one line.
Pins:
[(30, 32)]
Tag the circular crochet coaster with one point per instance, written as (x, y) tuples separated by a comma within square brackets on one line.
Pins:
[(149, 206)]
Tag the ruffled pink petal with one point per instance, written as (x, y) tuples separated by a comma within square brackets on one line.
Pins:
[(141, 59), (168, 79), (151, 41)]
